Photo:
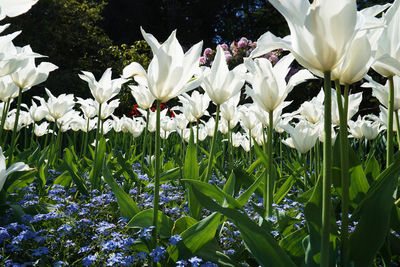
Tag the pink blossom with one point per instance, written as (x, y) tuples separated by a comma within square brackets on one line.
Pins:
[(233, 45), (242, 42), (223, 46), (207, 51), (228, 55), (203, 60)]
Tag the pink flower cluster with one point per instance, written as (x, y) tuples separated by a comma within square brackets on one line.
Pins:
[(235, 53)]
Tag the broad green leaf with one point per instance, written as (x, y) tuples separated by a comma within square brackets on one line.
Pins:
[(64, 179), (213, 252), (358, 182), (170, 175), (73, 170), (214, 192), (145, 219), (127, 206), (372, 169), (292, 244), (373, 216), (19, 180), (285, 188), (95, 174), (246, 195), (259, 242), (182, 224), (313, 214), (195, 237), (246, 180)]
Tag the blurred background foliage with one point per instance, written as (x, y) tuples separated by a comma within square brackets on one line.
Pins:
[(93, 35)]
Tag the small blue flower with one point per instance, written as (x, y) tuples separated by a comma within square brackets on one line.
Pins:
[(87, 261), (40, 251), (195, 261), (175, 239)]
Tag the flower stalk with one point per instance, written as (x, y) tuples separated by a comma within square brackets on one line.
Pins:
[(327, 171), (157, 174), (389, 144), (211, 159), (344, 160)]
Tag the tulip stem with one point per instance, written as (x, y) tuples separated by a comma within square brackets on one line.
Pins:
[(250, 155), (269, 182), (211, 158), (95, 177), (327, 171), (396, 114), (344, 160), (3, 119), (144, 140), (389, 141), (157, 174), (14, 133)]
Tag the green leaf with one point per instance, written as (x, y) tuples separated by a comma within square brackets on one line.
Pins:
[(191, 171), (358, 181), (195, 237), (182, 224), (127, 206), (145, 219), (213, 252), (285, 188), (292, 244), (214, 192), (73, 170), (246, 195), (372, 169), (373, 215), (313, 214), (64, 179), (259, 242), (95, 174)]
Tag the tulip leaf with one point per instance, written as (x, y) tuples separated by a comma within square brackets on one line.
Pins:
[(64, 179), (144, 219), (195, 237), (127, 206), (73, 170), (246, 195), (95, 174), (285, 188), (213, 252), (214, 192), (313, 214), (358, 182), (182, 224), (292, 244), (191, 171), (245, 180), (373, 216), (372, 169), (259, 242)]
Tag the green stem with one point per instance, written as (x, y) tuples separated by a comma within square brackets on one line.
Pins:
[(389, 142), (250, 155), (327, 171), (211, 159), (396, 114), (14, 133), (344, 159), (157, 174), (95, 178), (269, 182), (144, 141), (305, 169), (3, 118)]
